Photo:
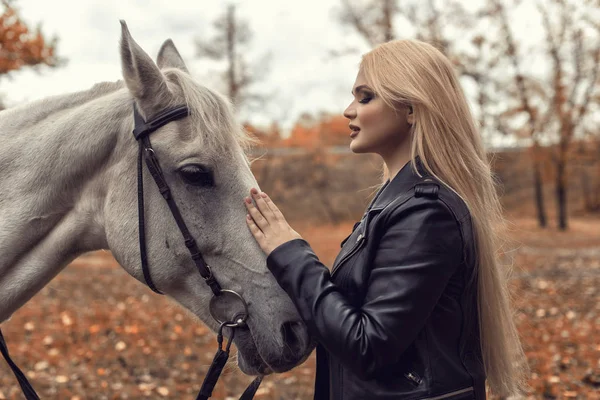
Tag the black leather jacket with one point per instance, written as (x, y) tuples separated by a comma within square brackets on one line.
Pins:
[(396, 317)]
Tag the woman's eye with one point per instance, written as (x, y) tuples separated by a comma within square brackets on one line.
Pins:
[(197, 175), (365, 100)]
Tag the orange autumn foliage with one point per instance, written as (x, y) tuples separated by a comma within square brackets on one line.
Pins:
[(326, 131), (19, 45), (309, 133), (267, 137)]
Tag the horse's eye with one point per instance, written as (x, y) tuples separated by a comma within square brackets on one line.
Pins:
[(197, 175)]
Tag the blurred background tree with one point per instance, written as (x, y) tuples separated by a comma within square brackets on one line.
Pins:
[(544, 113), (22, 46), (230, 43), (553, 108)]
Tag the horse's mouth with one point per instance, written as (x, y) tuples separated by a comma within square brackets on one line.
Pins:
[(249, 360), (252, 360)]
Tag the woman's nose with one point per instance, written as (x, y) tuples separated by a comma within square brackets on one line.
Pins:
[(350, 112)]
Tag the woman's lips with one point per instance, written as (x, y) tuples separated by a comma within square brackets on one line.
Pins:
[(354, 133)]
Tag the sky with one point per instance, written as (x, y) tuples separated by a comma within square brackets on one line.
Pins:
[(300, 77)]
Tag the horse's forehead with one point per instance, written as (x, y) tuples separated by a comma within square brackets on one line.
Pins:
[(182, 140), (184, 133)]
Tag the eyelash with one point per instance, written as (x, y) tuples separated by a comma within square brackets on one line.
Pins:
[(365, 100)]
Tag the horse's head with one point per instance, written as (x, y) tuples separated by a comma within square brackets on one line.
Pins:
[(203, 161)]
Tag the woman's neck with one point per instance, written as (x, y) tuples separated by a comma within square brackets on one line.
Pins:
[(396, 159)]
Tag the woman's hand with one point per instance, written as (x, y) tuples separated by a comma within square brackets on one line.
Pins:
[(267, 223)]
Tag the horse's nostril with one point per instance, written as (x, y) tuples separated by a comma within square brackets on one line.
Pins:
[(295, 338)]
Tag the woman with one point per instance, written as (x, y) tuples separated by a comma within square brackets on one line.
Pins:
[(415, 306)]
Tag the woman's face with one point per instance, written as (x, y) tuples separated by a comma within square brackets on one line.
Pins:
[(376, 127)]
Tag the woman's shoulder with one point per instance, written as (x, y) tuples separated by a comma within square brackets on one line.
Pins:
[(430, 196), (430, 214)]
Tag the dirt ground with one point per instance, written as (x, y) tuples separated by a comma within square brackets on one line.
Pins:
[(96, 333)]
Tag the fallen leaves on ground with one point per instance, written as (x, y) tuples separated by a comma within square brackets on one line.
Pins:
[(96, 333)]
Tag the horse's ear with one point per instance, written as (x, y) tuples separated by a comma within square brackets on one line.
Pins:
[(169, 57), (142, 76)]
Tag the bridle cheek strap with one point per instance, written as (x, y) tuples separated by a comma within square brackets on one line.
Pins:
[(141, 223), (141, 131), (156, 172)]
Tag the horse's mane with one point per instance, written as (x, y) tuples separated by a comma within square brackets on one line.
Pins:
[(37, 110), (210, 112)]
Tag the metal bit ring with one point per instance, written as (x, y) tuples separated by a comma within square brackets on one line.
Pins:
[(241, 314)]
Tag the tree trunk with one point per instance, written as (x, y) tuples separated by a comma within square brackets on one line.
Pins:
[(561, 194), (539, 194), (231, 56), (388, 15)]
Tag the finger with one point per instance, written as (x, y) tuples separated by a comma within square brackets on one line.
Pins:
[(254, 229), (261, 204), (256, 215), (269, 203), (259, 235), (274, 209)]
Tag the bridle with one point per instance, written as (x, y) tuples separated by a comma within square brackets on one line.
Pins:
[(141, 132)]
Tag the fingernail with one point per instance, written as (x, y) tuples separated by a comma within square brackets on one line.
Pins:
[(253, 191), (248, 200), (264, 195), (248, 217)]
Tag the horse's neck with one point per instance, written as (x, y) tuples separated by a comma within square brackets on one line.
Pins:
[(53, 184)]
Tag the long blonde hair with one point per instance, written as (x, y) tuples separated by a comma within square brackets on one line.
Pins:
[(445, 138)]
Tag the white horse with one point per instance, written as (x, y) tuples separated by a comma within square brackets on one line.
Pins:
[(68, 185)]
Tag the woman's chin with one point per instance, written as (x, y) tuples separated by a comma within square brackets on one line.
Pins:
[(356, 147)]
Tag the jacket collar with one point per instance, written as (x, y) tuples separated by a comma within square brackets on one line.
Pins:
[(404, 180)]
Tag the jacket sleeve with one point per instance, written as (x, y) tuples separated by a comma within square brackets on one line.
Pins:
[(418, 253)]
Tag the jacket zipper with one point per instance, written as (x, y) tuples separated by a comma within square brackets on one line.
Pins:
[(414, 378), (448, 395), (357, 246), (361, 237)]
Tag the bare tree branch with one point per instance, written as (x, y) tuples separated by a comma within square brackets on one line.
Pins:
[(553, 105), (577, 39), (593, 82), (231, 34), (514, 59), (389, 8), (354, 17)]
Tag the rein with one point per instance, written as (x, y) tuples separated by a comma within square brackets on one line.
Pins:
[(141, 132)]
